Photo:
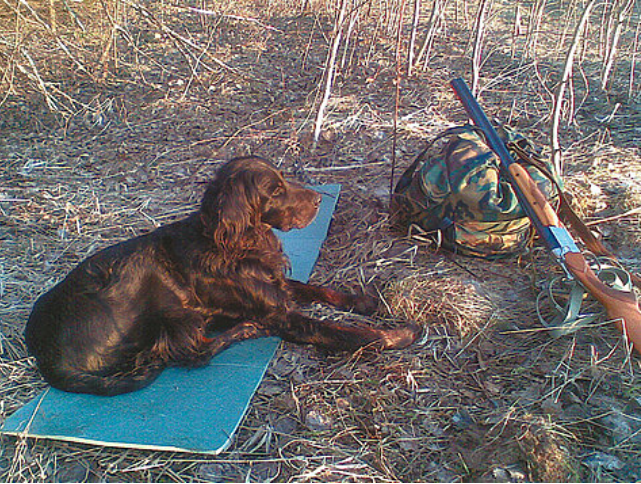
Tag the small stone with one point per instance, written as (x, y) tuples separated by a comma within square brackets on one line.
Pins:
[(72, 472), (623, 427), (501, 475), (602, 460), (286, 425), (271, 388), (316, 421), (409, 443), (551, 406), (461, 420)]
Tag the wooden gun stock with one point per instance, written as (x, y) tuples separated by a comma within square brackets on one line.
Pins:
[(537, 201), (620, 306)]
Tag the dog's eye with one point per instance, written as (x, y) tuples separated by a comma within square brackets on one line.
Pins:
[(279, 191)]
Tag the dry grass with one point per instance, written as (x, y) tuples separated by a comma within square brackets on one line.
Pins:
[(486, 395)]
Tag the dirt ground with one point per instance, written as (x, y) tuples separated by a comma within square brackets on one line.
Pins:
[(124, 140)]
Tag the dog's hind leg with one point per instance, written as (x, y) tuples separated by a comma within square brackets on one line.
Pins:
[(240, 332), (298, 328), (124, 380)]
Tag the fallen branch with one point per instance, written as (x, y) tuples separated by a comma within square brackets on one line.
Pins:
[(613, 218), (344, 167), (202, 11)]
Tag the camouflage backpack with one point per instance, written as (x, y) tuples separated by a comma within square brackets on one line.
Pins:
[(458, 192)]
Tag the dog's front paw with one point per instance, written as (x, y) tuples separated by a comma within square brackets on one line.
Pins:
[(365, 304), (402, 337)]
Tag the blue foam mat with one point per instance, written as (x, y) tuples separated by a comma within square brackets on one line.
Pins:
[(193, 410)]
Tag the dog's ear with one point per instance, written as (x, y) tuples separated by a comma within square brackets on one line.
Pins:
[(229, 209)]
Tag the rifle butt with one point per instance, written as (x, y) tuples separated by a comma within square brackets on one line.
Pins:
[(621, 306)]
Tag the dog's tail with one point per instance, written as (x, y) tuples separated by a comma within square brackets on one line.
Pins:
[(105, 384)]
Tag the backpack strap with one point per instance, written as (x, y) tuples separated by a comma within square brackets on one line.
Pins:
[(593, 244), (569, 317), (408, 174)]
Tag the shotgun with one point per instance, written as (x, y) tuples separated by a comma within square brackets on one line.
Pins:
[(620, 306)]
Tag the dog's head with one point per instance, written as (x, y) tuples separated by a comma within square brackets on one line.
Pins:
[(249, 192)]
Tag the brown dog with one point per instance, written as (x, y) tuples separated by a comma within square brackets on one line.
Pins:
[(130, 310)]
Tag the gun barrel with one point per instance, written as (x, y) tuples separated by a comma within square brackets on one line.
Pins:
[(476, 114)]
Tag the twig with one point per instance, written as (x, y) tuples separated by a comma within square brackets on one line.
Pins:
[(194, 68), (178, 37), (397, 91), (479, 29), (410, 47), (111, 42), (239, 130), (53, 21), (534, 26), (52, 31), (560, 93), (8, 73), (330, 67), (613, 218), (353, 19), (438, 8), (626, 8), (41, 83), (633, 62), (74, 16), (202, 11), (344, 167)]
